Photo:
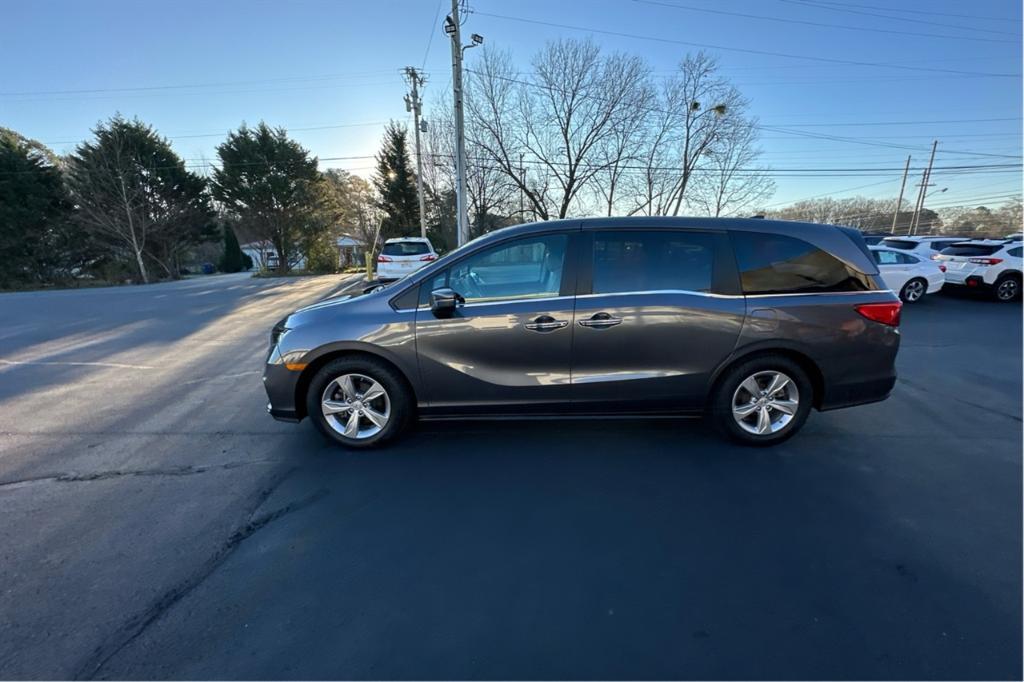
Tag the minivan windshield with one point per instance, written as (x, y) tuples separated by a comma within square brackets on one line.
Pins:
[(405, 249)]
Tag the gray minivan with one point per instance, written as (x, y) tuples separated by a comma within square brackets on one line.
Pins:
[(752, 322)]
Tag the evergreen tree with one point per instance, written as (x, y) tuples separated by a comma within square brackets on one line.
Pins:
[(37, 240), (396, 184), (232, 260)]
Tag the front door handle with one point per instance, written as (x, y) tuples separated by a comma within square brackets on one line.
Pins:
[(600, 321), (545, 323)]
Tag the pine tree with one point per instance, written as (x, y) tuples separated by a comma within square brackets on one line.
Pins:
[(232, 260), (396, 185)]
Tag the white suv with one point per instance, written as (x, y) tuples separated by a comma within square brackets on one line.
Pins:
[(993, 265), (403, 255), (927, 247)]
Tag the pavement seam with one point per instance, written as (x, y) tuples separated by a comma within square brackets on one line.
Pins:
[(137, 625)]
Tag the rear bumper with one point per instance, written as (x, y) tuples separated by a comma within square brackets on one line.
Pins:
[(860, 393)]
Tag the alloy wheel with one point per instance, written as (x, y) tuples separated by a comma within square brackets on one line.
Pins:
[(356, 406), (913, 291), (765, 402), (1007, 290)]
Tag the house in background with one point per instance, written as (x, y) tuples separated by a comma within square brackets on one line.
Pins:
[(264, 256)]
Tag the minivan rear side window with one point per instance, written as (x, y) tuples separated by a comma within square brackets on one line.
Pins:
[(405, 249), (776, 264), (971, 250), (655, 260)]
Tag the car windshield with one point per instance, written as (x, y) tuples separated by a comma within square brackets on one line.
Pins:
[(405, 249), (971, 250)]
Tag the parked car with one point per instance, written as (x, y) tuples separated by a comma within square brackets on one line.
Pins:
[(404, 255), (928, 246), (752, 322), (990, 265), (908, 274)]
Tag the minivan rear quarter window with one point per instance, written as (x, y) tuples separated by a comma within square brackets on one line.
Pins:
[(971, 250), (775, 264), (659, 260), (405, 249)]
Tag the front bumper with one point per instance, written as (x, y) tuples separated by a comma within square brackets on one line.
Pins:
[(280, 384)]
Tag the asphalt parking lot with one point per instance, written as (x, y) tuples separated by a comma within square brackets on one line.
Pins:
[(157, 524)]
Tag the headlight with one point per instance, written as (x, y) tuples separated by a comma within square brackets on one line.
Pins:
[(277, 331)]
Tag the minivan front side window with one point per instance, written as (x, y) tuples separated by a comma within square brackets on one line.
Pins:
[(520, 269), (776, 264)]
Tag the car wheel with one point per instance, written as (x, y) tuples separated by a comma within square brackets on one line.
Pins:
[(762, 401), (359, 402), (1006, 289), (914, 290)]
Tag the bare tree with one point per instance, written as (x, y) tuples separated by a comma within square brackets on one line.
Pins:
[(564, 119), (729, 180)]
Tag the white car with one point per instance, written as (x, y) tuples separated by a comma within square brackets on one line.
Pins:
[(928, 246), (992, 265), (403, 255), (910, 275)]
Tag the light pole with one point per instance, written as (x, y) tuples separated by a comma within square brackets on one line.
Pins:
[(414, 103)]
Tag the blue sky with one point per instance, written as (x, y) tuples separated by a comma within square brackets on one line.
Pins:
[(332, 67)]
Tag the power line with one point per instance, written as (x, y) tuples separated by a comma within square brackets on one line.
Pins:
[(224, 134), (636, 36), (845, 7), (433, 30), (762, 17), (147, 88)]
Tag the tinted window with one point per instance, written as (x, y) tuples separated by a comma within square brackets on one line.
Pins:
[(652, 261), (940, 245), (872, 239), (900, 244), (1016, 253), (524, 268), (771, 264), (907, 259), (970, 250), (405, 249)]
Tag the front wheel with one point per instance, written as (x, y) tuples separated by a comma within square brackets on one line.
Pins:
[(359, 402), (762, 401), (914, 290)]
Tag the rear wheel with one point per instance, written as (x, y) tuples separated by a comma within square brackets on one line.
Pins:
[(359, 402), (762, 401), (1007, 288), (914, 290)]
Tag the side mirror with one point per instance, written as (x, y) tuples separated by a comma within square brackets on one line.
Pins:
[(443, 302)]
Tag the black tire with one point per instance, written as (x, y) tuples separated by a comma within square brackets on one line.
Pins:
[(397, 392), (721, 404), (1007, 288), (915, 293)]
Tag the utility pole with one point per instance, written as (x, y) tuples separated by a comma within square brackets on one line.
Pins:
[(522, 192), (414, 103), (924, 190), (453, 27), (899, 202)]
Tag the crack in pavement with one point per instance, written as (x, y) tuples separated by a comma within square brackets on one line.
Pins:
[(135, 626), (106, 475), (987, 408)]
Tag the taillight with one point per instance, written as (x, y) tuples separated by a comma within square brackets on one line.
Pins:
[(986, 261), (383, 259), (885, 313), (429, 257), (942, 267)]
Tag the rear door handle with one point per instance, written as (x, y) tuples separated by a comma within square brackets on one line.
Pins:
[(545, 323), (600, 321)]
